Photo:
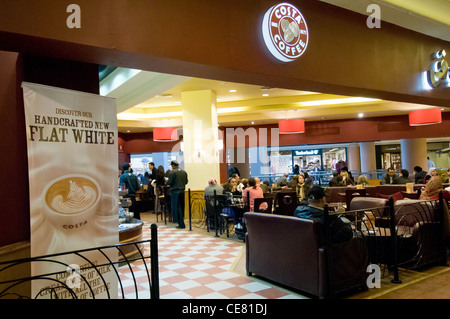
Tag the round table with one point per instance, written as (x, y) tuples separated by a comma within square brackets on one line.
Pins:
[(130, 232)]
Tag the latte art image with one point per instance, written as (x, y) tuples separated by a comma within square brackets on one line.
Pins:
[(72, 195)]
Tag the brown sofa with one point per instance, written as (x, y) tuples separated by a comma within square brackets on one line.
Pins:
[(332, 193), (291, 251)]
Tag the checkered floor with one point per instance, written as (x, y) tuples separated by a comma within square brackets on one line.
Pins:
[(195, 266)]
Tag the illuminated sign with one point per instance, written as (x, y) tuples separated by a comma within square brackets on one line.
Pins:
[(438, 72), (285, 32), (306, 152)]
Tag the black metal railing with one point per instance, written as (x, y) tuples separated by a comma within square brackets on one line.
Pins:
[(91, 278), (408, 236), (210, 212)]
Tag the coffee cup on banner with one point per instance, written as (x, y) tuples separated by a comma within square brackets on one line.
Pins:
[(71, 201)]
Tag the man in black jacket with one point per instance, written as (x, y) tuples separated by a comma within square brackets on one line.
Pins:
[(132, 184), (419, 175), (389, 177), (177, 181)]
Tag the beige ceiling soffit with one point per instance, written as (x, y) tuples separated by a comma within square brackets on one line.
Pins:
[(436, 10), (130, 87), (432, 21)]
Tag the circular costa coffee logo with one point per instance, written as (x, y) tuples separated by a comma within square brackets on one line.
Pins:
[(285, 32)]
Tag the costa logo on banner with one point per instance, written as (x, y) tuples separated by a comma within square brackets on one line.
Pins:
[(285, 32)]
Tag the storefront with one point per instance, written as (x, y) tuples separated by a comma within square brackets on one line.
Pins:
[(389, 156), (318, 161), (221, 51)]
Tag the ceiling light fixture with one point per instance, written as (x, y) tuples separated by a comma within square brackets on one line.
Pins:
[(425, 117), (291, 126), (337, 101)]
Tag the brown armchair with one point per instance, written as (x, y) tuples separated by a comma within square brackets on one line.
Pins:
[(291, 251)]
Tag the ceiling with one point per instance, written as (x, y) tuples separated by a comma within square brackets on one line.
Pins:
[(148, 99)]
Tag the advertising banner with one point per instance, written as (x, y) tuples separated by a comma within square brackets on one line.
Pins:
[(73, 193)]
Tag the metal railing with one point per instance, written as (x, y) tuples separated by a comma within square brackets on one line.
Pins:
[(408, 236), (61, 284)]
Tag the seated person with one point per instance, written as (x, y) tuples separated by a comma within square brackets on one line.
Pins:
[(447, 179), (419, 175), (253, 192), (282, 179), (389, 177), (403, 178), (431, 173), (432, 189), (293, 182), (340, 230), (213, 186), (232, 186), (302, 188), (346, 179), (362, 180), (265, 186)]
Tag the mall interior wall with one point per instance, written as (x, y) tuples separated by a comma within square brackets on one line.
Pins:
[(15, 225)]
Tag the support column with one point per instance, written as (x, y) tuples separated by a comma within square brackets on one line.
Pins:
[(200, 137), (368, 159), (414, 153), (354, 159)]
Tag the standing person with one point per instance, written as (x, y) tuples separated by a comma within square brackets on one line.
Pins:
[(389, 177), (158, 184), (151, 177), (177, 181), (430, 163), (132, 184)]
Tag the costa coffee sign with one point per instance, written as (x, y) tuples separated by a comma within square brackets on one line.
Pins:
[(285, 32)]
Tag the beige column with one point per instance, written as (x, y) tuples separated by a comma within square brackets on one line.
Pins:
[(368, 159), (414, 153), (354, 160), (200, 138)]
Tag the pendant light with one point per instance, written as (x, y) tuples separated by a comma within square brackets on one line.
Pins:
[(291, 126), (164, 134), (425, 117)]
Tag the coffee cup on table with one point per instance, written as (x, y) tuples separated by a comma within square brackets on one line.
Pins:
[(71, 201)]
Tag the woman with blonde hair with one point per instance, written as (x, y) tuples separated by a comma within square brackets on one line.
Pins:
[(346, 180), (362, 180), (302, 188)]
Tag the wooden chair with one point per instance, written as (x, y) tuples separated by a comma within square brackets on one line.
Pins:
[(215, 218), (287, 203), (162, 203), (257, 202)]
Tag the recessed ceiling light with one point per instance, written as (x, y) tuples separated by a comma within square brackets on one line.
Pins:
[(361, 115), (253, 122), (265, 94), (232, 91)]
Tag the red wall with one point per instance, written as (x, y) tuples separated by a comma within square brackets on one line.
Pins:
[(15, 68), (316, 132), (15, 212)]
